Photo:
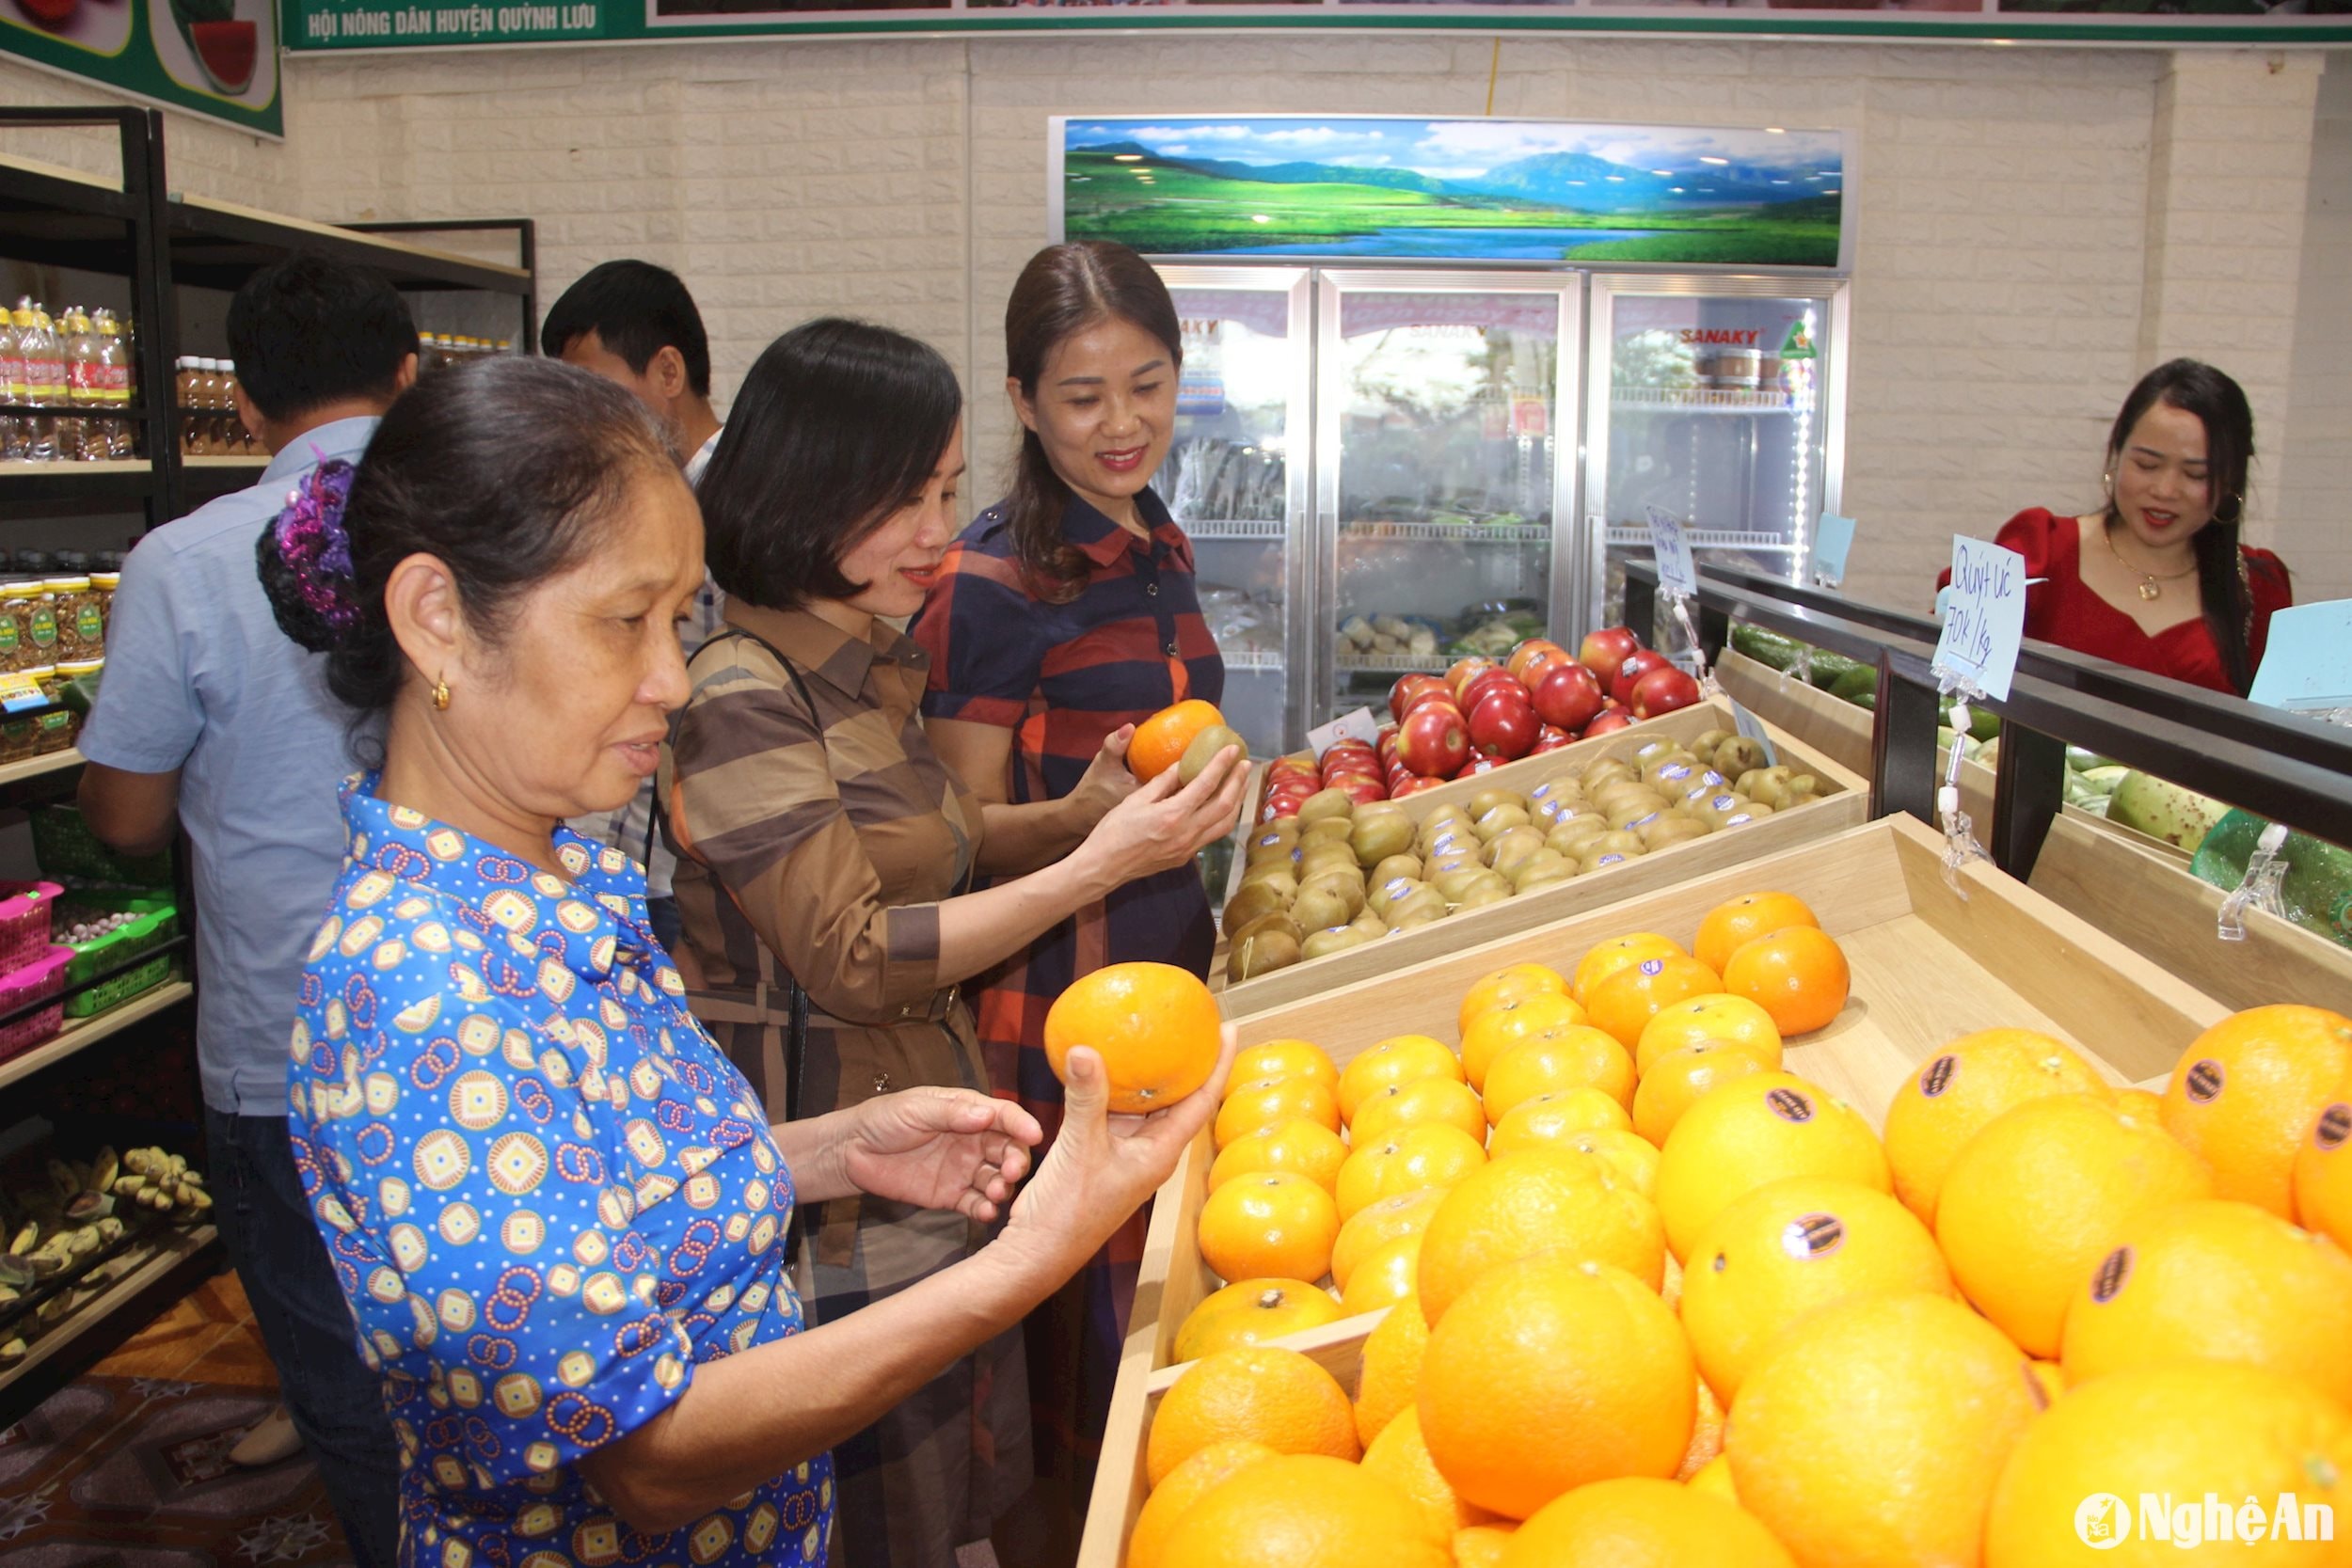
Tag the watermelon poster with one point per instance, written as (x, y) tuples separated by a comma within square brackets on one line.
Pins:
[(216, 57)]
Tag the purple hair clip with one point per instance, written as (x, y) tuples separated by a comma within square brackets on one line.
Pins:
[(316, 550)]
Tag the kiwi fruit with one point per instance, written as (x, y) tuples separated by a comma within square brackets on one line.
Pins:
[(1204, 749), (1323, 944), (1598, 859), (1370, 924), (1669, 771), (1490, 888), (1348, 890), (1377, 837), (1571, 836), (1261, 953), (1702, 786), (1320, 858), (1423, 904), (1383, 898), (1454, 883), (1320, 907), (1712, 810), (1486, 800), (1325, 803), (1705, 742), (1395, 866), (1328, 829), (1735, 754), (1252, 900), (1513, 846), (1566, 870), (1671, 829), (1606, 770), (1494, 820), (1280, 921), (1282, 873), (1747, 813), (1534, 866), (1619, 841)]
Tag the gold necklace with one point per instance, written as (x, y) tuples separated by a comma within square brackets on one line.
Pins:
[(2149, 591)]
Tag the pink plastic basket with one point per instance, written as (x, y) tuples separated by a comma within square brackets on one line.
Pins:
[(24, 912), (44, 976)]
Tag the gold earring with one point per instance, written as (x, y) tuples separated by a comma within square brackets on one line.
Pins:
[(441, 695)]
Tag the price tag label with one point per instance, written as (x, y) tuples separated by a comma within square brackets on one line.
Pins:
[(1678, 575), (1833, 541), (2305, 668), (21, 693), (1358, 725), (1985, 622)]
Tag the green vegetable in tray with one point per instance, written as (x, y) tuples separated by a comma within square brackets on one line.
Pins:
[(1768, 648), (1828, 666)]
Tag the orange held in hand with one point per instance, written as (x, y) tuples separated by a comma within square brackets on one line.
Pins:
[(1156, 1027), (1160, 741)]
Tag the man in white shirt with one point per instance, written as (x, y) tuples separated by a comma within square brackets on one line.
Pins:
[(634, 324)]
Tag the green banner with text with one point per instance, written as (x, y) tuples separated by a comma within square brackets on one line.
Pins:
[(216, 57), (411, 24)]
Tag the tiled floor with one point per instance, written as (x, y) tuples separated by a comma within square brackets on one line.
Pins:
[(127, 1466)]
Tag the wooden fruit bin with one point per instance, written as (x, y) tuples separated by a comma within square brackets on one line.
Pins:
[(1930, 961), (1844, 801), (2135, 887)]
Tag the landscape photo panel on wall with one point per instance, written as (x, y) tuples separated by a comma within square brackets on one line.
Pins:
[(1364, 187)]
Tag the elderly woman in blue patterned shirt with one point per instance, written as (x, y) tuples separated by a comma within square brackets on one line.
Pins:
[(554, 1206)]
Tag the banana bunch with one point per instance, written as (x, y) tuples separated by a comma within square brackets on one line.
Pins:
[(73, 1215)]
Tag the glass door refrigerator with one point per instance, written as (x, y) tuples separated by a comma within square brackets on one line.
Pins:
[(1445, 469), (1718, 400), (1236, 479)]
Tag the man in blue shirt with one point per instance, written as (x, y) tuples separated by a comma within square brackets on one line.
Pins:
[(635, 325), (211, 718)]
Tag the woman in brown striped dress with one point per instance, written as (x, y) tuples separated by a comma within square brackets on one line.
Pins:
[(822, 843)]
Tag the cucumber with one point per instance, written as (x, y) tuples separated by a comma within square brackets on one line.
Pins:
[(1828, 667), (2317, 889), (1855, 683), (1765, 647)]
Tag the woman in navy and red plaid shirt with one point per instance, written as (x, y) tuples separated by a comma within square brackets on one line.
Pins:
[(1064, 612)]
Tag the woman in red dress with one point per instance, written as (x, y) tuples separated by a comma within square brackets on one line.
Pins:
[(2157, 580)]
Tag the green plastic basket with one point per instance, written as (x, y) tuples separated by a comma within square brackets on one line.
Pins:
[(158, 922), (67, 851)]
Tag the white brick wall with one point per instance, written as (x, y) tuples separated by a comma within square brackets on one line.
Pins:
[(2312, 498), (2002, 303)]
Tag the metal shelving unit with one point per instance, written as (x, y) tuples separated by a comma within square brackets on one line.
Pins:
[(134, 229), (1238, 528), (1467, 534)]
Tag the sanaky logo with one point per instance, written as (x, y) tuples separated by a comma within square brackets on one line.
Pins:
[(2105, 1521)]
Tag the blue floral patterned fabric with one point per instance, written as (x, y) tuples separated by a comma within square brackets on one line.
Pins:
[(547, 1195)]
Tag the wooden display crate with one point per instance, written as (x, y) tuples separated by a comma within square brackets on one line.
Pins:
[(1933, 956), (1843, 802), (2135, 887)]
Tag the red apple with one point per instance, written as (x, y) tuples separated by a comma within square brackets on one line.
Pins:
[(1413, 785), (1461, 669), (1610, 722), (1434, 740), (1529, 651), (1489, 680), (1477, 766), (1360, 790), (1604, 650), (1409, 689), (1637, 664), (1663, 691), (1503, 727), (1550, 739), (1568, 695)]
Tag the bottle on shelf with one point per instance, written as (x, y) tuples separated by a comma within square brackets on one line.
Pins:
[(14, 393), (113, 378), (80, 439), (44, 378)]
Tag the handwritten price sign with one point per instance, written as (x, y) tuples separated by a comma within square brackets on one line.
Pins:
[(1984, 624)]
